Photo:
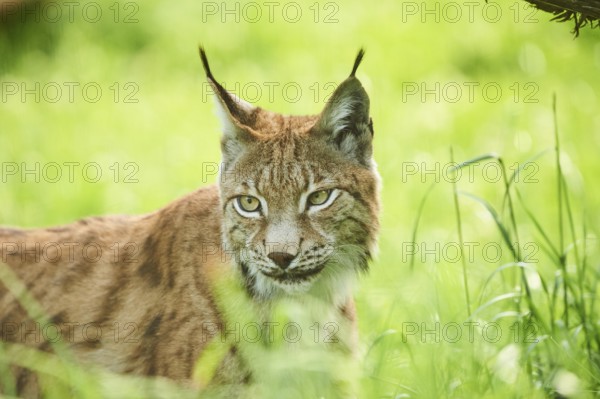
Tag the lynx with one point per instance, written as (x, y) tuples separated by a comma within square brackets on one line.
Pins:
[(294, 215)]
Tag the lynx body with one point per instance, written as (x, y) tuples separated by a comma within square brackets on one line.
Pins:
[(294, 214)]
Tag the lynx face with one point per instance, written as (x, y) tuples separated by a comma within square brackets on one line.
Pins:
[(299, 193)]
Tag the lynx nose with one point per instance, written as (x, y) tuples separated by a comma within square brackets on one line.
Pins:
[(281, 259)]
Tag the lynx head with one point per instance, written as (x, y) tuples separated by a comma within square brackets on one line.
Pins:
[(299, 193)]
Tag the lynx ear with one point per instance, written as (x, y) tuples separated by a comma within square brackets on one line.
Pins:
[(237, 116), (345, 121)]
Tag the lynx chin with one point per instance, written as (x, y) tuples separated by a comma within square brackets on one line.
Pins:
[(293, 217)]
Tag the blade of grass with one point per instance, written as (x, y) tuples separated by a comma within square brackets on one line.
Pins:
[(473, 161), (503, 231), (460, 238), (507, 241), (511, 265), (559, 188), (416, 224), (537, 225), (494, 300), (511, 210)]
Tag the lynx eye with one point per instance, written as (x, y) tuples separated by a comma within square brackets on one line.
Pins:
[(247, 204), (319, 197)]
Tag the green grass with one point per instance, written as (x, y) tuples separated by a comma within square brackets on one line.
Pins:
[(534, 200), (554, 331)]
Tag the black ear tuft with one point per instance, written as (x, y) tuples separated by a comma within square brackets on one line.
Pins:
[(357, 61), (237, 116), (235, 107), (205, 64)]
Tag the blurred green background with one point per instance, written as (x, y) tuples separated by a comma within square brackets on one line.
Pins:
[(118, 88)]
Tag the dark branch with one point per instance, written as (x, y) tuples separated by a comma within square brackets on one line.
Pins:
[(582, 12)]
